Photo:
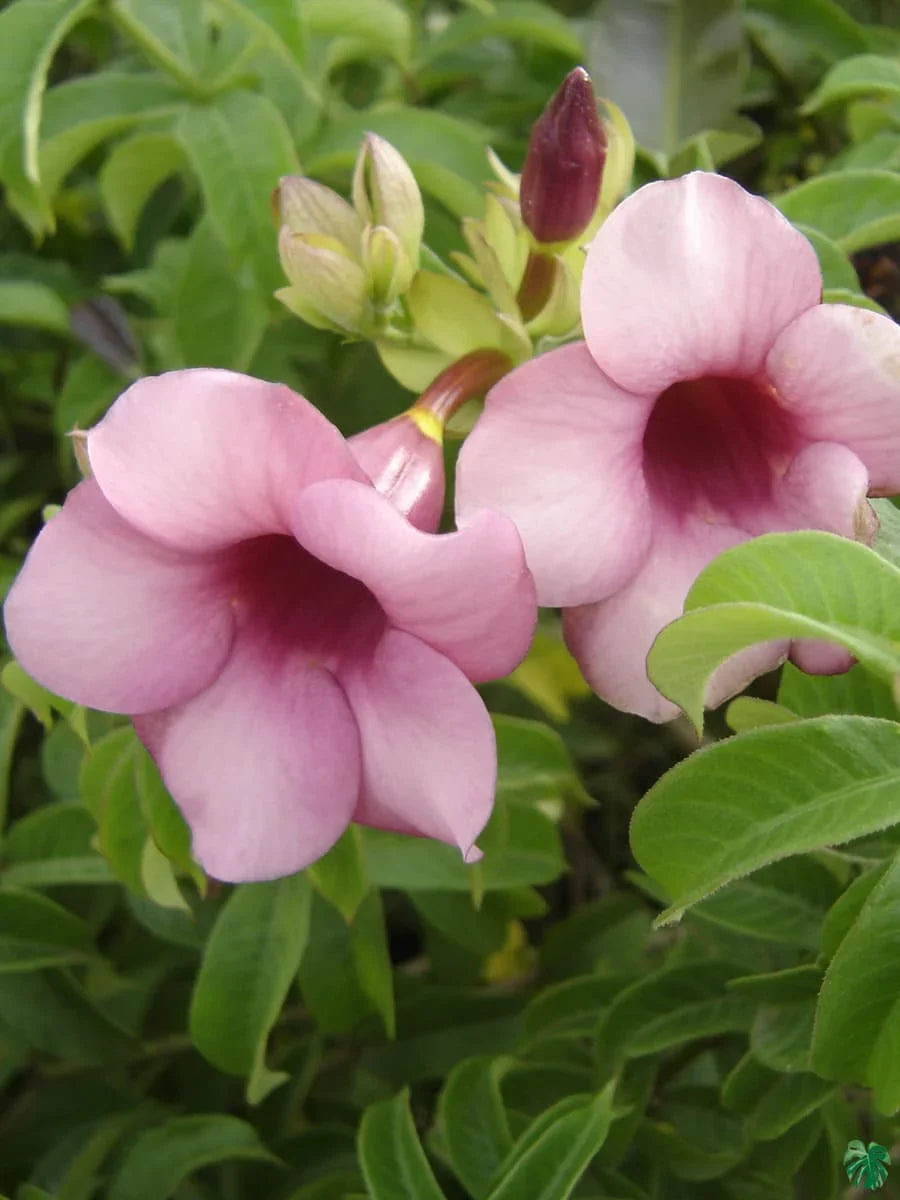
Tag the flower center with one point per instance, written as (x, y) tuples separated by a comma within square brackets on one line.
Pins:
[(288, 599), (715, 446)]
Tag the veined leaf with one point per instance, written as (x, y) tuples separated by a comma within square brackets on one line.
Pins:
[(737, 805), (676, 68), (30, 33), (856, 208), (781, 585), (861, 75), (866, 1166)]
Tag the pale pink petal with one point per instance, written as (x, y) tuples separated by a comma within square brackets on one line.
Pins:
[(429, 758), (820, 658), (611, 640), (264, 765), (102, 615), (203, 458), (837, 371), (468, 595), (692, 277), (558, 449), (824, 487)]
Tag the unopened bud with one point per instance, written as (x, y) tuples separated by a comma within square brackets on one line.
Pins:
[(388, 270), (385, 192), (305, 206), (563, 169), (324, 279)]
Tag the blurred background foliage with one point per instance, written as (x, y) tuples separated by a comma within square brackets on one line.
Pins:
[(391, 1024)]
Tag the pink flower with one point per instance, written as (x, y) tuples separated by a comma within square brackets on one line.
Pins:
[(295, 653), (713, 399)]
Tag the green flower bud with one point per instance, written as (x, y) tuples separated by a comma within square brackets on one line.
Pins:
[(325, 281), (305, 206), (385, 192), (388, 270)]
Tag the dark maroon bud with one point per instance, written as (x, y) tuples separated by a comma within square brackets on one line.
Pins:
[(564, 165)]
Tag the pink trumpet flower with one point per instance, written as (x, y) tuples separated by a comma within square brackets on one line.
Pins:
[(294, 652), (713, 399)]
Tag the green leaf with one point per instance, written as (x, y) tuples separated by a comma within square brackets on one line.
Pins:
[(447, 154), (248, 966), (109, 789), (735, 806), (781, 585), (30, 33), (799, 37), (861, 75), (89, 389), (514, 20), (856, 692), (857, 1034), (785, 902), (219, 316), (36, 932), (474, 1122), (549, 676), (340, 876), (382, 25), (372, 959), (837, 269), (161, 1158), (167, 826), (672, 1006), (749, 712), (846, 909), (239, 147), (51, 1013), (855, 208), (34, 305), (533, 763), (131, 174), (785, 1103), (11, 714), (571, 1008), (82, 113), (173, 35), (392, 1159), (280, 22), (676, 68), (521, 846), (551, 1156)]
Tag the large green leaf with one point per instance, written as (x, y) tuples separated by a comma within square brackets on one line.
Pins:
[(675, 67), (670, 1007), (553, 1153), (515, 20), (802, 37), (392, 1159), (240, 146), (36, 932), (735, 806), (31, 304), (782, 585), (474, 1121), (132, 172), (161, 1158), (82, 113), (855, 692), (248, 966), (381, 25), (861, 75), (30, 32), (857, 1032), (856, 208)]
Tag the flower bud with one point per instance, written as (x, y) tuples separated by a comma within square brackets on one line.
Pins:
[(305, 206), (385, 192), (563, 169), (404, 458), (328, 288), (388, 270)]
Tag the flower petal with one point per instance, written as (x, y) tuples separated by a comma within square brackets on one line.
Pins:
[(692, 277), (429, 758), (200, 459), (837, 371), (109, 618), (611, 640), (468, 595), (558, 449), (264, 765)]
